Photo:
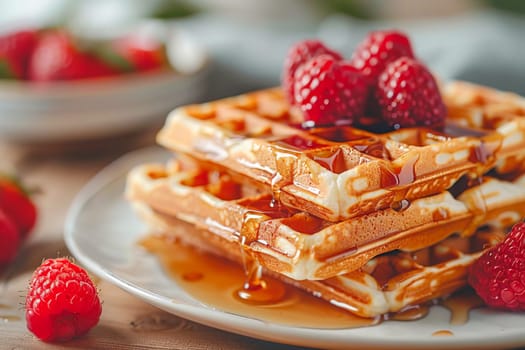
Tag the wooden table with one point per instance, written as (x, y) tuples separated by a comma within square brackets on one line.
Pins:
[(126, 322)]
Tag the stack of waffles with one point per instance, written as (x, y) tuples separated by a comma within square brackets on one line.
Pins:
[(371, 222)]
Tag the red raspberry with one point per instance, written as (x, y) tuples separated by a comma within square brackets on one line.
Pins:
[(408, 95), (9, 239), (328, 90), (498, 276), (299, 54), (62, 303), (379, 49)]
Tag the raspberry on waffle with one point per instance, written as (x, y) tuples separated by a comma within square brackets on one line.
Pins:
[(387, 283), (301, 246), (341, 172)]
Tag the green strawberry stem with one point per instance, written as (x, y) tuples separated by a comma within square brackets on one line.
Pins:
[(5, 70)]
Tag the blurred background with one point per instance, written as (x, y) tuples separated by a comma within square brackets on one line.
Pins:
[(225, 47)]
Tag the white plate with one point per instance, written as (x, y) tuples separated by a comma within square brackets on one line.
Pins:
[(101, 232)]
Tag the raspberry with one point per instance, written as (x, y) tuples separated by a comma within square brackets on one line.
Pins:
[(408, 95), (378, 49), (498, 276), (298, 55), (62, 303), (328, 91), (9, 238)]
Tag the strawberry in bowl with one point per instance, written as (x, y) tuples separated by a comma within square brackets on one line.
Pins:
[(59, 87)]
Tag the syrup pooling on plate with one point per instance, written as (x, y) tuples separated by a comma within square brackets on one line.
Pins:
[(258, 289), (442, 333), (461, 304), (410, 313), (222, 279)]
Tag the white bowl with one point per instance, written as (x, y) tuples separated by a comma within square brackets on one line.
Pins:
[(99, 108)]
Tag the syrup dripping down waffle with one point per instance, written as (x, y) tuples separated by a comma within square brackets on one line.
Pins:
[(302, 246), (341, 172), (387, 283)]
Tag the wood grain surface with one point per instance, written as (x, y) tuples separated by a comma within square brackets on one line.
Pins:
[(126, 322)]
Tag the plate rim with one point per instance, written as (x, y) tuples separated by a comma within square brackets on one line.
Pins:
[(231, 322)]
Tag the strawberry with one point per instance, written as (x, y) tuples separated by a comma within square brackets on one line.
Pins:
[(408, 95), (498, 276), (57, 58), (62, 302), (141, 52), (9, 239), (16, 203), (328, 91), (378, 49), (15, 52), (298, 55)]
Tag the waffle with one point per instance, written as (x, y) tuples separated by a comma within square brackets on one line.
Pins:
[(482, 108), (341, 172), (385, 284), (304, 247)]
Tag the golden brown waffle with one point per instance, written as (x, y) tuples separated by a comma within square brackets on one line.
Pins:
[(485, 109), (302, 246), (387, 283), (341, 172)]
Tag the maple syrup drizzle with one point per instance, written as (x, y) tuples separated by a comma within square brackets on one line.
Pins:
[(259, 290), (480, 154), (373, 147), (460, 303), (255, 289), (442, 333), (456, 130), (401, 205), (278, 302), (299, 143), (440, 214), (410, 313), (192, 276), (400, 175), (333, 160), (340, 134), (222, 278)]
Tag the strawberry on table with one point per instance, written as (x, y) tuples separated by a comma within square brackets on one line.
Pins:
[(62, 302), (9, 239), (498, 276), (56, 57), (16, 49), (17, 205)]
